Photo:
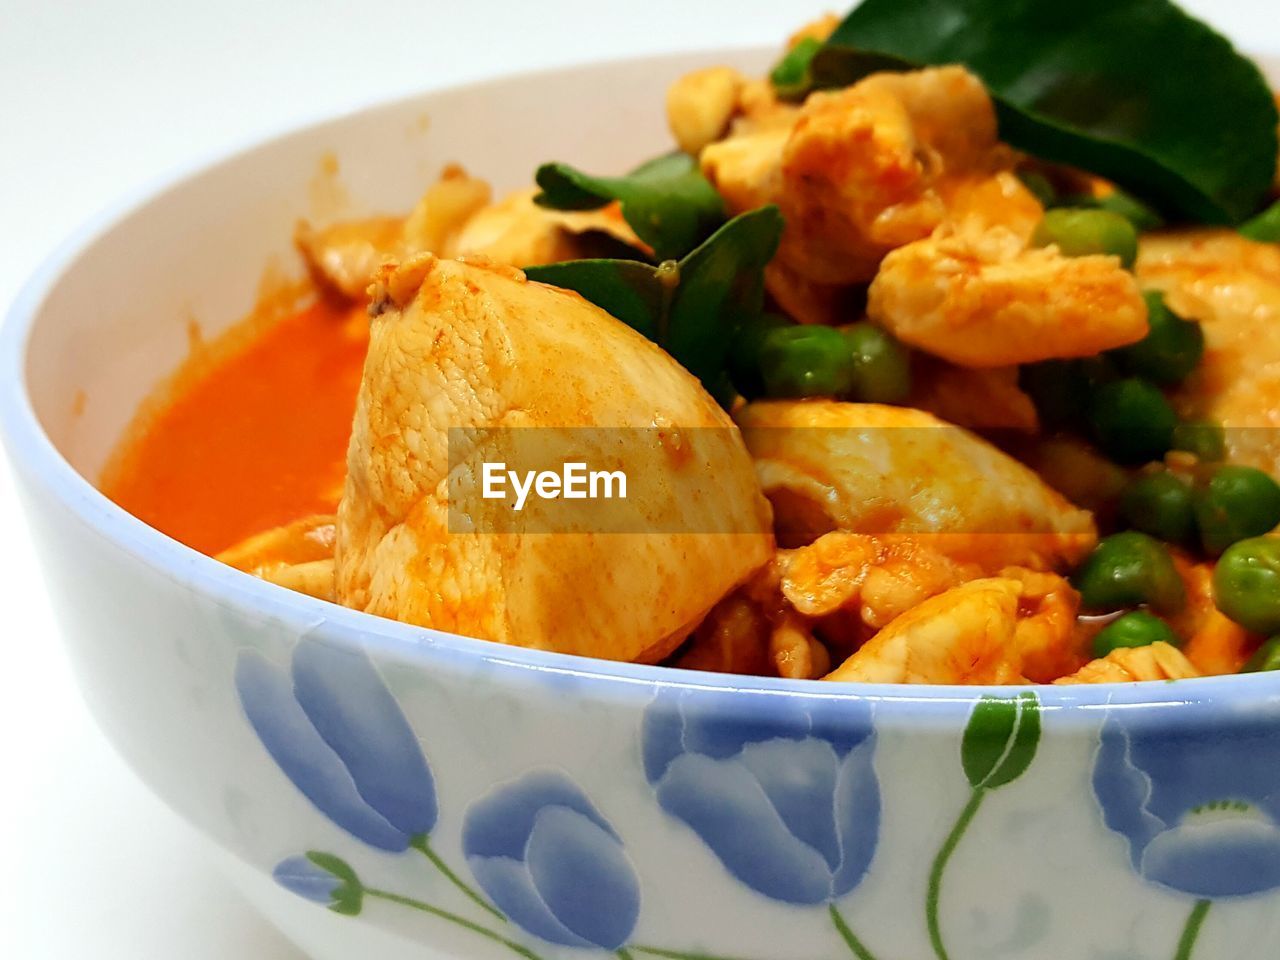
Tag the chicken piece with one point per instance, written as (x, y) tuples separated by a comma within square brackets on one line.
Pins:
[(874, 469), (878, 577), (966, 635), (1214, 643), (744, 168), (860, 172), (519, 232), (1046, 637), (298, 556), (1232, 286), (979, 297), (734, 638), (987, 399), (347, 255), (450, 203), (1157, 661), (701, 104), (344, 256), (983, 201), (796, 654), (455, 218), (465, 349)]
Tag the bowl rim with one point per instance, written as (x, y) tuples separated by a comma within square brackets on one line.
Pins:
[(33, 454)]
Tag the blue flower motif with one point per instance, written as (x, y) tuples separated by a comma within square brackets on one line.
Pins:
[(332, 726), (1199, 806), (322, 878), (552, 863), (782, 789), (299, 875)]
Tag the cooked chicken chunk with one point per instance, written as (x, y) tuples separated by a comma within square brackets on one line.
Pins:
[(860, 171), (1215, 644), (734, 638), (347, 255), (877, 577), (868, 468), (1232, 286), (981, 399), (519, 232), (1157, 661), (298, 556), (701, 104), (455, 218), (458, 347), (980, 298), (851, 585), (965, 635)]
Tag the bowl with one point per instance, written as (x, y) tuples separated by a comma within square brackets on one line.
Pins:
[(380, 789)]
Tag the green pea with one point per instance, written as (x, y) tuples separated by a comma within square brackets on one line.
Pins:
[(1246, 584), (1160, 504), (806, 360), (881, 365), (1235, 503), (1080, 232), (744, 353), (790, 76), (1057, 386), (1132, 421), (1136, 629), (1205, 439), (1128, 206), (1130, 569), (1265, 659), (1171, 349)]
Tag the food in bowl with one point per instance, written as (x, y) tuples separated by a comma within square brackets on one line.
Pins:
[(925, 362)]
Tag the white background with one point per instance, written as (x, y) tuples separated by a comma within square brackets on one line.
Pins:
[(97, 98)]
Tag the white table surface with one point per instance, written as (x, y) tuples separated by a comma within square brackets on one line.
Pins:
[(98, 98)]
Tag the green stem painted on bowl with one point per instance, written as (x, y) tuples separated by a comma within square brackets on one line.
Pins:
[(422, 844), (854, 944), (1187, 942), (463, 922), (622, 953), (678, 954), (934, 894)]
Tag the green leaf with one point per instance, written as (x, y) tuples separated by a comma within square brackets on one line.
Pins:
[(348, 898), (691, 308), (1265, 227), (629, 290), (667, 201), (1134, 90), (790, 76), (1000, 740)]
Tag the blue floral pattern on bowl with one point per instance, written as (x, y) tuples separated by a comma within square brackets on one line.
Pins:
[(334, 729), (787, 798), (1199, 810), (783, 791), (552, 863)]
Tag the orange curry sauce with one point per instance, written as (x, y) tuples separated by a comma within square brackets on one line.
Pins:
[(255, 442)]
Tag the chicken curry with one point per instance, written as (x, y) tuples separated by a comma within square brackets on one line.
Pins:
[(980, 402)]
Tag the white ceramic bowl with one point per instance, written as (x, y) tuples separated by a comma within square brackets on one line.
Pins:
[(604, 808)]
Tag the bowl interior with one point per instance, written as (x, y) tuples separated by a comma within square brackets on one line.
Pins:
[(192, 257)]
